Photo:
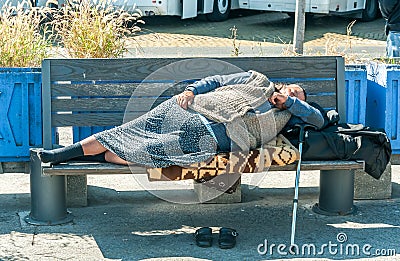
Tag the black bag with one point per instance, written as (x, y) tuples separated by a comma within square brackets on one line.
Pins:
[(350, 142)]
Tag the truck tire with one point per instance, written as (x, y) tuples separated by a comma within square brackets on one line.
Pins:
[(221, 11), (371, 11)]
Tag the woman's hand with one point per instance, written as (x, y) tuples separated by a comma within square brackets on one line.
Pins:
[(278, 100), (185, 99)]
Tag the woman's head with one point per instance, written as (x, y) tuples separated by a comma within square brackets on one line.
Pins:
[(293, 90)]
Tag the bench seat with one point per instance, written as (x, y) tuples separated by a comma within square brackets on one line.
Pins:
[(95, 168)]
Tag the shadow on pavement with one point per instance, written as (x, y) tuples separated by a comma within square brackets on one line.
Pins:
[(149, 228)]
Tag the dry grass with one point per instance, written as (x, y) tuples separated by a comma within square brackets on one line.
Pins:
[(83, 29), (235, 45), (87, 30), (22, 44)]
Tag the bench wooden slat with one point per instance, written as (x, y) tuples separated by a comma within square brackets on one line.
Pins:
[(106, 104), (158, 88), (323, 165), (124, 69), (117, 89), (80, 168), (319, 86), (325, 102), (92, 105), (93, 119), (93, 168)]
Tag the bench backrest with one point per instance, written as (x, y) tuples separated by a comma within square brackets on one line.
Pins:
[(99, 93)]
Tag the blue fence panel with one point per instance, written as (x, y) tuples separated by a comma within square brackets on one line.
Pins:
[(392, 126), (356, 93), (20, 113), (383, 104), (376, 105), (392, 107)]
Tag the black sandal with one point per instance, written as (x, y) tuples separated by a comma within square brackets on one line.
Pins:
[(227, 238), (203, 237)]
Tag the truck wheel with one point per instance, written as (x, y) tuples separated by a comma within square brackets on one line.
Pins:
[(220, 11), (371, 11)]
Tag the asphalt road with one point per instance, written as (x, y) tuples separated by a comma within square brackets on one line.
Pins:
[(258, 34)]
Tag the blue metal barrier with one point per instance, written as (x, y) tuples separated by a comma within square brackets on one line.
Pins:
[(356, 93), (20, 112), (384, 98)]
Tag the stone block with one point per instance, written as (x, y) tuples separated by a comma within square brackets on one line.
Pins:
[(76, 190), (366, 187), (395, 159), (209, 194), (14, 167)]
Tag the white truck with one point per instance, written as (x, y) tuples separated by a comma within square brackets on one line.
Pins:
[(215, 10), (367, 10)]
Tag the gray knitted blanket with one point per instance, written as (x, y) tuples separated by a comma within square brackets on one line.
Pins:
[(235, 105), (169, 135)]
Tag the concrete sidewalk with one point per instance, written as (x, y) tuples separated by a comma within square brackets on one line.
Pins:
[(125, 222)]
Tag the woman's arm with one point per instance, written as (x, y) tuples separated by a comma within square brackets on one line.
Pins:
[(299, 108), (213, 82), (305, 111), (209, 84)]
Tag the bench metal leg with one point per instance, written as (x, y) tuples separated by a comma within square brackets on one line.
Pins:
[(48, 203), (336, 193)]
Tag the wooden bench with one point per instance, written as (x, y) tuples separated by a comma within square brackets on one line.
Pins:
[(92, 94)]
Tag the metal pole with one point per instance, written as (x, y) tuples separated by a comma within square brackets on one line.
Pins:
[(296, 197), (296, 184), (336, 193), (48, 201), (299, 26)]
